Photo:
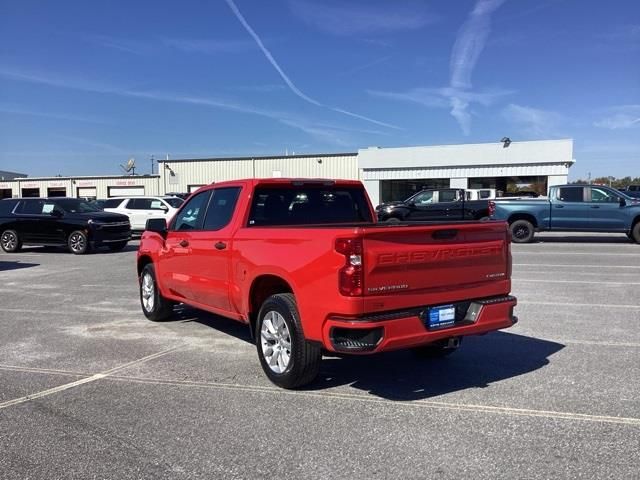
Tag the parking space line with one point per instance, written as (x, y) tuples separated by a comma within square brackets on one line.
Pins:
[(70, 313), (558, 265), (587, 305), (366, 399), (92, 378), (16, 368), (574, 281)]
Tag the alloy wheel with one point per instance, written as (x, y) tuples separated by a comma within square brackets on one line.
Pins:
[(148, 292), (276, 341), (77, 242), (9, 241)]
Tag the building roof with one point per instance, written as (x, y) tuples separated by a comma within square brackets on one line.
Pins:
[(269, 157), (5, 176)]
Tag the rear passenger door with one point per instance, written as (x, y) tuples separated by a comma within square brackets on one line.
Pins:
[(569, 211), (37, 225)]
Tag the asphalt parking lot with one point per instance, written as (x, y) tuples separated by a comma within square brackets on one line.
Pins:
[(91, 389)]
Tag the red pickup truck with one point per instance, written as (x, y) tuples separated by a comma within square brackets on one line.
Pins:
[(305, 265)]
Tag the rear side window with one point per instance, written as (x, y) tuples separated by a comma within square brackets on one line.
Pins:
[(308, 204), (570, 194), (140, 204), (221, 206), (448, 195), (112, 203), (31, 207), (7, 206)]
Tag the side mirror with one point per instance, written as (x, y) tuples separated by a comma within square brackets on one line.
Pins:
[(623, 202), (164, 208), (157, 225)]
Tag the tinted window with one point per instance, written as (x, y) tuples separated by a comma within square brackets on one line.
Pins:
[(423, 198), (114, 203), (570, 194), (6, 206), (448, 195), (192, 214), (73, 205), (221, 207), (139, 204), (308, 204), (602, 196), (174, 202), (31, 207)]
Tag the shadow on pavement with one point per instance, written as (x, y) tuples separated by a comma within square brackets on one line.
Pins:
[(614, 238), (480, 361), (401, 375), (15, 265)]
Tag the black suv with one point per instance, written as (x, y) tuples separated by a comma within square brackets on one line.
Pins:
[(70, 222)]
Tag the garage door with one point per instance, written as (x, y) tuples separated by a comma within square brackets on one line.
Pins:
[(87, 192), (125, 191)]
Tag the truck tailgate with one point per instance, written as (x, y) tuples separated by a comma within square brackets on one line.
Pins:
[(425, 258)]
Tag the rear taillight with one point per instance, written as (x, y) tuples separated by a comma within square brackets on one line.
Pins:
[(509, 256), (492, 208), (350, 277)]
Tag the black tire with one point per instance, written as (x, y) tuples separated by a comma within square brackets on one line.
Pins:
[(10, 241), (116, 247), (154, 306), (522, 231), (78, 242), (438, 349), (635, 233), (303, 357)]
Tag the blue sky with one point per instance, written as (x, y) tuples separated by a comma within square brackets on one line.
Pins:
[(86, 85)]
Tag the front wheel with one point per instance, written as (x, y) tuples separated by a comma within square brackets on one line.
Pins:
[(522, 231), (154, 306), (286, 357), (10, 241), (78, 242), (635, 233)]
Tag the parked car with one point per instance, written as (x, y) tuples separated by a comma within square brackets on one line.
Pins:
[(571, 208), (141, 209), (442, 204), (632, 191), (519, 194), (305, 266), (59, 221), (182, 195), (97, 202)]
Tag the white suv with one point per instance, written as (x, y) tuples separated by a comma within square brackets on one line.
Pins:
[(141, 209)]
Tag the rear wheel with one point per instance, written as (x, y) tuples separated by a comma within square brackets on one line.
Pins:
[(10, 241), (78, 242), (635, 233), (154, 306), (286, 357), (522, 231)]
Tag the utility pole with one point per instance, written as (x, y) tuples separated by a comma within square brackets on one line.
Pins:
[(152, 160)]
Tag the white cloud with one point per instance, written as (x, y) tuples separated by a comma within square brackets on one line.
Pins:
[(621, 117), (286, 78), (533, 121), (347, 18)]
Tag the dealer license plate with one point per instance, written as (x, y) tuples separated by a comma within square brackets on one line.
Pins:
[(440, 317)]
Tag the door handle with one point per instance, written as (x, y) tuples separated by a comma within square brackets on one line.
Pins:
[(559, 206), (184, 243), (220, 245), (595, 206)]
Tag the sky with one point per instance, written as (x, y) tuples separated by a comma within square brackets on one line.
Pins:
[(84, 86)]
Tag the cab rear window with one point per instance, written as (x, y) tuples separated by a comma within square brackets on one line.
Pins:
[(308, 204)]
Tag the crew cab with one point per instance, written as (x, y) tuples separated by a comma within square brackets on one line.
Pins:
[(304, 264), (571, 208), (632, 191), (436, 204), (70, 222)]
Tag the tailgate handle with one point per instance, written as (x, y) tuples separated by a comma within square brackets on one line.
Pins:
[(444, 234)]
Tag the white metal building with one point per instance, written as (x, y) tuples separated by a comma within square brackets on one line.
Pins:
[(388, 173), (396, 173)]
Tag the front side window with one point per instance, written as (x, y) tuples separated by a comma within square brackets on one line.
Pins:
[(191, 216), (423, 198), (570, 194), (139, 204), (602, 196), (221, 206), (113, 203), (72, 205)]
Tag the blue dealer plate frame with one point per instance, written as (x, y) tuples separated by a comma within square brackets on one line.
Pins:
[(440, 317)]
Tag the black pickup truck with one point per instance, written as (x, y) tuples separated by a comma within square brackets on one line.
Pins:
[(436, 204)]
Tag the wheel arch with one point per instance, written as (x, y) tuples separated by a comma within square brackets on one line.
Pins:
[(143, 261), (523, 216), (262, 288)]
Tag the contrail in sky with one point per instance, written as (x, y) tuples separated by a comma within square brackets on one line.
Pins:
[(287, 80)]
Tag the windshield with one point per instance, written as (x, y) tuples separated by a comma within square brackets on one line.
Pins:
[(73, 205), (175, 202)]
